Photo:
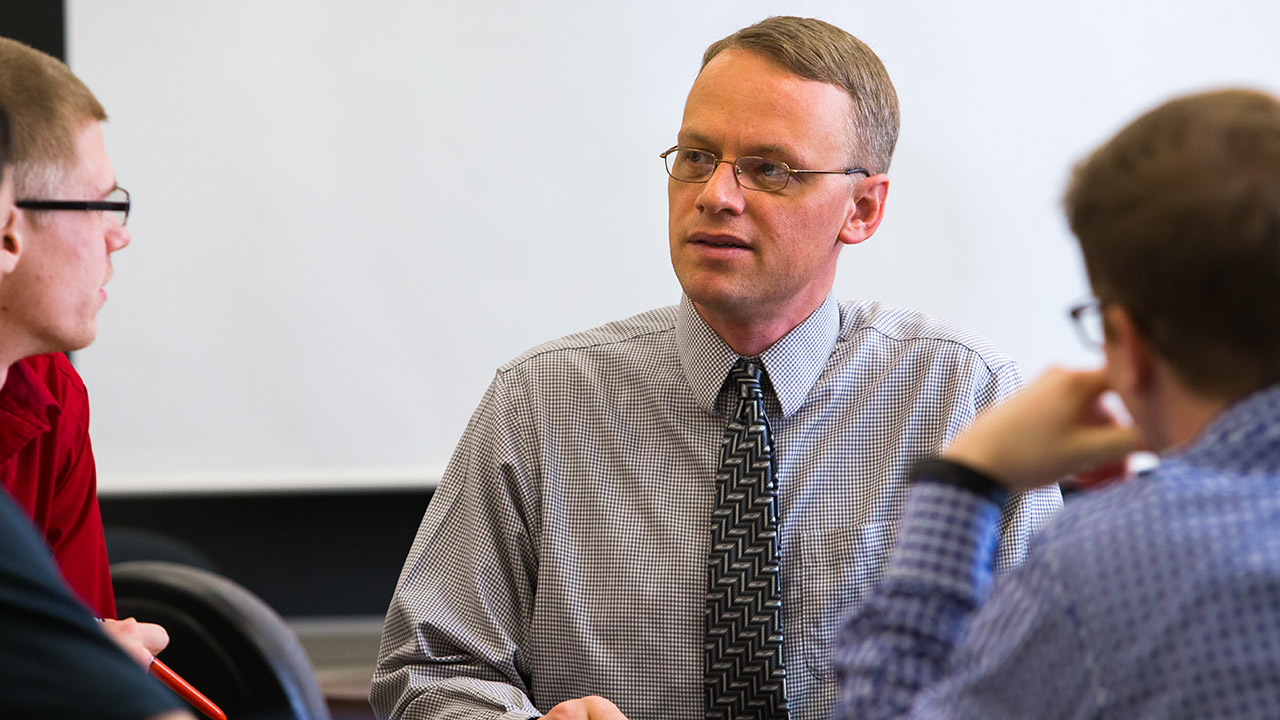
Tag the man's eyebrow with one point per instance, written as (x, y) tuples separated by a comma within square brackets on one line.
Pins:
[(689, 138), (772, 151)]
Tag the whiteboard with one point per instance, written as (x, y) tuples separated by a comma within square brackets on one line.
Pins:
[(347, 215)]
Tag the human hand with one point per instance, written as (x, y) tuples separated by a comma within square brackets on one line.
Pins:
[(1055, 427), (142, 641), (592, 707)]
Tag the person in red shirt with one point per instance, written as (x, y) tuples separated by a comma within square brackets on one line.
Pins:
[(55, 257)]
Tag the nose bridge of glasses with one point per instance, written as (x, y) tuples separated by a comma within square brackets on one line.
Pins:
[(737, 168), (734, 169)]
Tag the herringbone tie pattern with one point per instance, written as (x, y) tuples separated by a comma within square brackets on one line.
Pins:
[(744, 679)]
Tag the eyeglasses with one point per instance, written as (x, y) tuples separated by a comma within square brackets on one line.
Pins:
[(117, 203), (692, 165), (1087, 318)]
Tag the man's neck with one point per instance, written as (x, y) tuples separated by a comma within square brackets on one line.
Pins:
[(1176, 415), (6, 361), (750, 333), (750, 337)]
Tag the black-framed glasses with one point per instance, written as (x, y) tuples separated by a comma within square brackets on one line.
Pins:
[(1086, 316), (692, 165), (116, 204)]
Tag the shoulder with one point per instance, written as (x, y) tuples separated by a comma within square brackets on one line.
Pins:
[(647, 334), (873, 322), (910, 346), (60, 377), (1081, 540)]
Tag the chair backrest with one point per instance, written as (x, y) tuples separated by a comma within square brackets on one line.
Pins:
[(223, 639)]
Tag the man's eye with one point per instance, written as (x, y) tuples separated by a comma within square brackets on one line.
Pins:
[(771, 170), (696, 157)]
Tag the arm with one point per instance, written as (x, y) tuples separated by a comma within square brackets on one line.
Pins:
[(53, 658), (73, 520), (925, 644), (457, 637), (936, 640), (55, 479), (454, 631), (1026, 511)]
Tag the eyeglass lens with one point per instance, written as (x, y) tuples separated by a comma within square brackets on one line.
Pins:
[(119, 195), (1088, 322)]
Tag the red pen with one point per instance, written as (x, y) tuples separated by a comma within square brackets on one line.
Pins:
[(183, 688)]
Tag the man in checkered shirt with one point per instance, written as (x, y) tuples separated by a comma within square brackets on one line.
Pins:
[(562, 566), (1156, 597)]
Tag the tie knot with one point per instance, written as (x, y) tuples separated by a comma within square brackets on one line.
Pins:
[(746, 376)]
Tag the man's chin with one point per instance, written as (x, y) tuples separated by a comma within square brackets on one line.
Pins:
[(71, 342)]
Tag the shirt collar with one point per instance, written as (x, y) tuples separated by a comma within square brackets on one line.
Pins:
[(27, 408), (793, 363), (1246, 435)]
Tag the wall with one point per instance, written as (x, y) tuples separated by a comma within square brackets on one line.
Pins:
[(348, 215)]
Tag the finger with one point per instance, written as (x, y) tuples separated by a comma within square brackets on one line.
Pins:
[(1099, 413), (605, 711), (568, 710), (1095, 455), (1104, 443), (1087, 387), (153, 637)]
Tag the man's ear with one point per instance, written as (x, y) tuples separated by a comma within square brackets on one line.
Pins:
[(1131, 357), (866, 209), (12, 242)]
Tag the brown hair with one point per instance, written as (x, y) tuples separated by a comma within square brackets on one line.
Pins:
[(48, 107), (4, 141), (1178, 219), (816, 50)]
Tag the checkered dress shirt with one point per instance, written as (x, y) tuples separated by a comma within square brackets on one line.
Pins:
[(1156, 598), (565, 552)]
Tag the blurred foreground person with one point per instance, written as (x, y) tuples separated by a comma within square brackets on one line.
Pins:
[(1155, 597)]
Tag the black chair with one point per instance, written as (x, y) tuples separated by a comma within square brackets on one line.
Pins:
[(223, 640), (127, 544)]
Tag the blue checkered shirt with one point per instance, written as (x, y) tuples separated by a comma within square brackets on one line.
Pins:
[(565, 552), (1156, 598)]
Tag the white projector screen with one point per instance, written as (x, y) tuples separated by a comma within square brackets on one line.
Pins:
[(347, 215)]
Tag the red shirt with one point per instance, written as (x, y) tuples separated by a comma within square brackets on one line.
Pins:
[(46, 463)]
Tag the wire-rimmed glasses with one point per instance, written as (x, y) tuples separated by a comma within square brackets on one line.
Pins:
[(693, 165), (1086, 316)]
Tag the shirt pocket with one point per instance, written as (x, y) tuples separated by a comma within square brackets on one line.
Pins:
[(836, 573)]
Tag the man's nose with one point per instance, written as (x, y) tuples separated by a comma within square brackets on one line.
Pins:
[(118, 236), (721, 192)]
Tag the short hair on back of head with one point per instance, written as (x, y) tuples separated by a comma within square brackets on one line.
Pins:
[(1178, 219), (4, 141), (48, 107), (817, 50)]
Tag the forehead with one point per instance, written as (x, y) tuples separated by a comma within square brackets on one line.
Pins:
[(742, 103)]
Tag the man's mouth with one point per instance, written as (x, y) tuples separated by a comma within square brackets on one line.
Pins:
[(719, 241)]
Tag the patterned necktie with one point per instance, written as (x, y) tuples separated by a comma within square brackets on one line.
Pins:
[(744, 678)]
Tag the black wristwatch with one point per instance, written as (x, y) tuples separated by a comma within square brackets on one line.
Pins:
[(949, 472)]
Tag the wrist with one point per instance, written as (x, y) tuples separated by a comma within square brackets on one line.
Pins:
[(947, 471)]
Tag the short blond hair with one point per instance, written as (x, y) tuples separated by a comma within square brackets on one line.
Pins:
[(817, 50), (48, 107)]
